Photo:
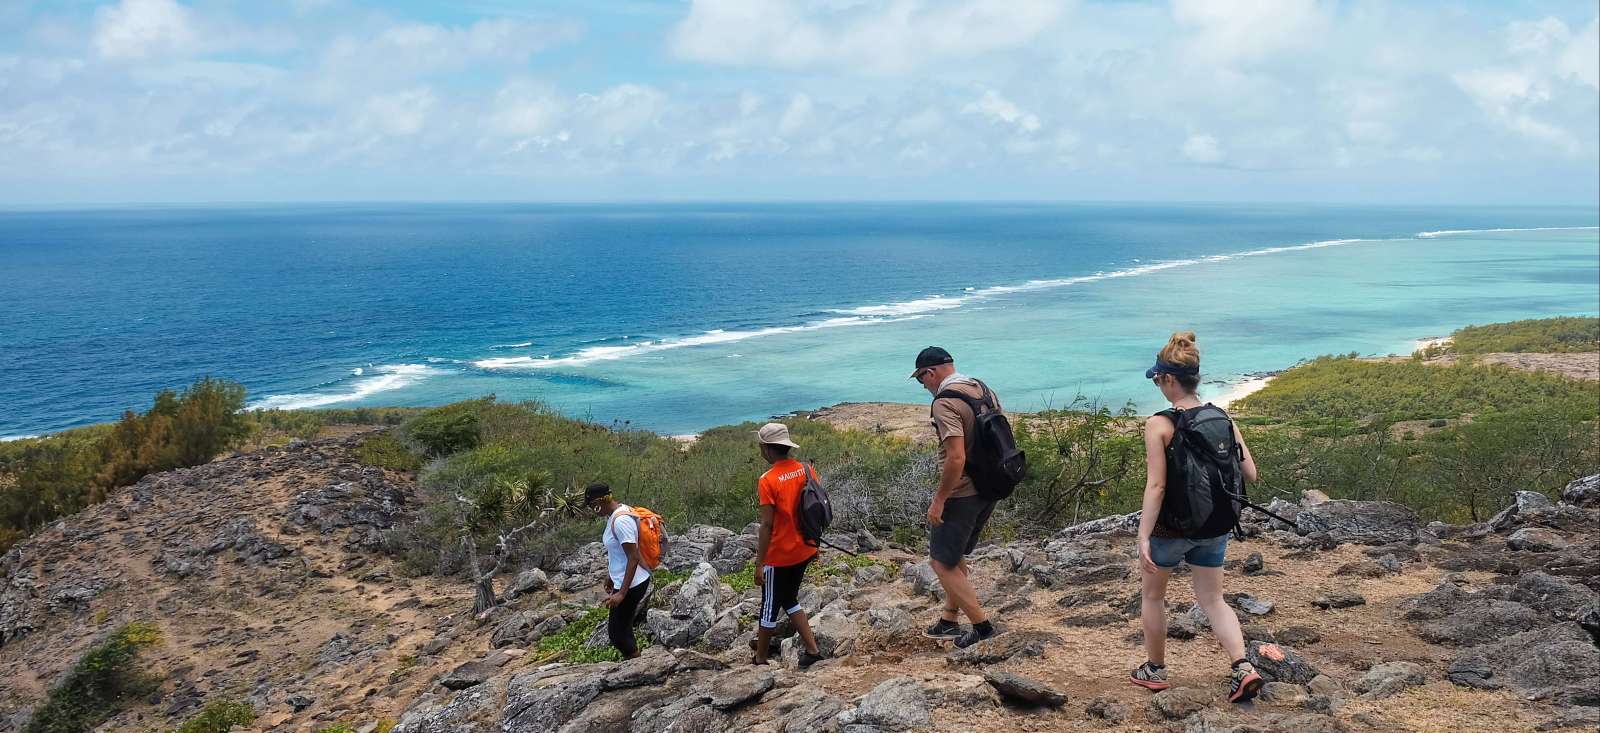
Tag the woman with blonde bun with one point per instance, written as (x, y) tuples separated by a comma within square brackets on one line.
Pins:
[(1179, 522)]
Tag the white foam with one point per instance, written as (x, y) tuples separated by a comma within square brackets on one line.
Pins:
[(595, 354), (357, 371), (9, 438), (1448, 232), (512, 346), (384, 378), (911, 307)]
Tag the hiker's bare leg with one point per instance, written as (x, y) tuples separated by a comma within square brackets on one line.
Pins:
[(1208, 593), (763, 643), (1153, 614), (958, 591), (803, 627), (951, 612)]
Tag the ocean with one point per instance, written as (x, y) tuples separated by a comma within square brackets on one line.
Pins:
[(679, 317)]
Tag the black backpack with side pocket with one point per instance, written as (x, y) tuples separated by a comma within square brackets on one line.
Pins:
[(1205, 482), (994, 462), (813, 511)]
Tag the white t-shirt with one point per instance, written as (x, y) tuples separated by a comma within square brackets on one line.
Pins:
[(627, 530)]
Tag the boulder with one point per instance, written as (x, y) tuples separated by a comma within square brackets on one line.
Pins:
[(1558, 662), (694, 609), (1359, 522), (1182, 627), (528, 581), (473, 710), (1111, 711), (1387, 679), (1521, 503), (1443, 600), (698, 545), (1297, 636), (1001, 647), (588, 561), (723, 632), (1583, 492), (467, 675), (1023, 690), (1278, 663), (1553, 596), (1250, 605), (836, 633), (805, 709), (1480, 620), (924, 582), (1121, 524), (1284, 694), (614, 711), (1179, 702), (890, 621), (650, 667), (1254, 564), (898, 703), (738, 688), (685, 714), (1536, 539), (541, 709)]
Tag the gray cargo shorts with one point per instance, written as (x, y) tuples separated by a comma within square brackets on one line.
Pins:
[(957, 537)]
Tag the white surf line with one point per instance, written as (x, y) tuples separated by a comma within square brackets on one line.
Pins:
[(1448, 232), (922, 307), (384, 378)]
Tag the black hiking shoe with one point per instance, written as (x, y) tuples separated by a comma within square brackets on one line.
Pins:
[(807, 659), (978, 633), (943, 629)]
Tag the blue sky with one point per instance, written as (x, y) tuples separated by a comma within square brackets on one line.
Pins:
[(313, 100)]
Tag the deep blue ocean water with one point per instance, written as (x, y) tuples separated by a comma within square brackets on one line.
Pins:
[(680, 317)]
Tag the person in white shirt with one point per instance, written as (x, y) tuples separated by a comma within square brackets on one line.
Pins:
[(627, 579)]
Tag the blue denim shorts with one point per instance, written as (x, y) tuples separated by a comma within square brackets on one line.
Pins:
[(1167, 552)]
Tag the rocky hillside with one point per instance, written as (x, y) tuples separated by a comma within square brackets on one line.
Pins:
[(265, 575)]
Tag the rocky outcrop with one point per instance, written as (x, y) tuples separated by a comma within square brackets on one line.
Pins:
[(1359, 522)]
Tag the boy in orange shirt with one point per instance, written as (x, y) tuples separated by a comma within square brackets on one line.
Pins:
[(781, 553)]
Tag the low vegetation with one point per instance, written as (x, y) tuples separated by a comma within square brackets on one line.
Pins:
[(219, 716), (570, 644), (105, 680), (1543, 335)]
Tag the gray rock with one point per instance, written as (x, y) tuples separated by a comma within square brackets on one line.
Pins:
[(924, 582), (1284, 694), (588, 561), (542, 709), (1122, 524), (1368, 568), (1109, 710), (694, 609), (806, 709), (1443, 600), (1536, 539), (685, 714), (1553, 596), (1558, 662), (1182, 627), (738, 688), (1584, 492), (723, 632), (1297, 636), (1339, 599), (1246, 603), (1521, 503), (898, 703), (1024, 690), (1387, 679), (474, 710), (1253, 564), (1003, 646), (1178, 703), (836, 633), (698, 545), (529, 581), (1359, 522), (1278, 663), (467, 675), (1586, 718), (1101, 574), (890, 622), (1310, 723), (650, 667), (1480, 620), (614, 711)]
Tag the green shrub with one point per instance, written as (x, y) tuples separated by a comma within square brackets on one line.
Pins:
[(219, 716), (386, 451), (100, 685), (337, 728), (1543, 335), (446, 430), (569, 644), (1344, 388)]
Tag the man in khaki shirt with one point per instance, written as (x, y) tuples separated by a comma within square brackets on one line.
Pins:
[(957, 514)]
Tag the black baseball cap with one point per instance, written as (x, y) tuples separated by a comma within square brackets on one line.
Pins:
[(931, 357), (596, 490)]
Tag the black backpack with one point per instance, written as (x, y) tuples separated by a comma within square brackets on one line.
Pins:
[(994, 462), (813, 512), (1205, 486)]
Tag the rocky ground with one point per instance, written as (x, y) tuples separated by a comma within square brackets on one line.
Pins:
[(263, 573)]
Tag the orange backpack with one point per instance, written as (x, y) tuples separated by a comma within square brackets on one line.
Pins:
[(652, 535)]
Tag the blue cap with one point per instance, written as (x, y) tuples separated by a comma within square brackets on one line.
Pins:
[(1175, 370)]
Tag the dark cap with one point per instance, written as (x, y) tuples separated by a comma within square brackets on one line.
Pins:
[(596, 490), (931, 357), (1176, 370)]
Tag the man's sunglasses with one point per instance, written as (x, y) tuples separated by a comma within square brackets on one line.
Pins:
[(920, 373)]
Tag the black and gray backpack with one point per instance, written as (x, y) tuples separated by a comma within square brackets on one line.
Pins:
[(813, 512), (1205, 484), (994, 462)]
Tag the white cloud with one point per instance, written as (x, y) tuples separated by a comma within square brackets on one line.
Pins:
[(892, 37), (995, 107), (1228, 31), (137, 29), (1202, 149)]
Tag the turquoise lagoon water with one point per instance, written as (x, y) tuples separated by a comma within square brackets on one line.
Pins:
[(677, 318)]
